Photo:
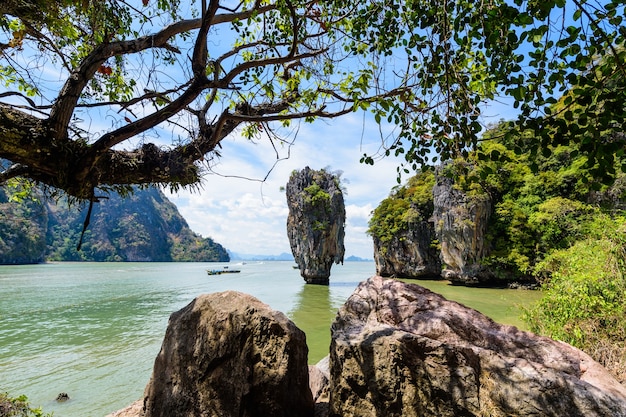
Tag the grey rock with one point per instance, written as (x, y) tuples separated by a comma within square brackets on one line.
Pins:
[(410, 254), (319, 381), (400, 350), (319, 378), (133, 410), (315, 225), (461, 224), (229, 355)]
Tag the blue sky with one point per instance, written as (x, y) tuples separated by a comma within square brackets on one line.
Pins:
[(249, 217)]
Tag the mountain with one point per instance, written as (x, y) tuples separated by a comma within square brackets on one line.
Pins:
[(22, 230), (354, 258), (248, 257), (142, 227)]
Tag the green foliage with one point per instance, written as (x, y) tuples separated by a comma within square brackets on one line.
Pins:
[(18, 407), (584, 301), (563, 68), (542, 203), (23, 223), (531, 51), (316, 195), (405, 206)]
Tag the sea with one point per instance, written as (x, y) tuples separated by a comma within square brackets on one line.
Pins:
[(93, 330)]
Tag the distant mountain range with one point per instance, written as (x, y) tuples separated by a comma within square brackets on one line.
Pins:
[(282, 257), (144, 226)]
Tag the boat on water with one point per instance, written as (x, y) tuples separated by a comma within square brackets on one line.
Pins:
[(225, 270)]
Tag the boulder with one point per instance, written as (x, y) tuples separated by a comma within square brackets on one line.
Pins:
[(401, 350), (229, 355), (319, 378), (460, 223), (133, 410), (315, 224)]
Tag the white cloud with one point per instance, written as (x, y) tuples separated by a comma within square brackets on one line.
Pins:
[(249, 216)]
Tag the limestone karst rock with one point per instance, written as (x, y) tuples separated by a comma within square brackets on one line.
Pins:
[(315, 225), (409, 254), (400, 350), (461, 224), (403, 231), (229, 355)]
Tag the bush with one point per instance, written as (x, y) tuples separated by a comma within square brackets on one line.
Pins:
[(405, 206), (18, 407), (584, 302)]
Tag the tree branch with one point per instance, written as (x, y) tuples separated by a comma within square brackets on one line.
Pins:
[(63, 108), (15, 170)]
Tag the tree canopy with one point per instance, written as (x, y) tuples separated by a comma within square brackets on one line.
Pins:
[(173, 78)]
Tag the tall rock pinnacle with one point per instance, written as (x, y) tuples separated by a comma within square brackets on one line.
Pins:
[(315, 225)]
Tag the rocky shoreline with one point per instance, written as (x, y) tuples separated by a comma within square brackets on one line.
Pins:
[(397, 349)]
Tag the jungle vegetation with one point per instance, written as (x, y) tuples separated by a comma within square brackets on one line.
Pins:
[(19, 407)]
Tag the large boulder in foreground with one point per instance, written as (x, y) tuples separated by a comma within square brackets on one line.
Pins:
[(400, 350), (315, 224), (229, 355)]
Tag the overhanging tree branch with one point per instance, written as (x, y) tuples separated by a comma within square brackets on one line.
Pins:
[(246, 63)]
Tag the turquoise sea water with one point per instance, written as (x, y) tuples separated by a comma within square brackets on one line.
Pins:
[(93, 329)]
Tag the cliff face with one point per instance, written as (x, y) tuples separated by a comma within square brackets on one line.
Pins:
[(315, 225), (403, 231), (144, 226), (430, 223), (410, 253), (461, 224)]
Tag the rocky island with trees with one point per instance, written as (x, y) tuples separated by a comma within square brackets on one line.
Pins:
[(175, 78), (315, 224), (141, 227)]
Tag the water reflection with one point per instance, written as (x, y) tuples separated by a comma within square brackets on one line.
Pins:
[(313, 313)]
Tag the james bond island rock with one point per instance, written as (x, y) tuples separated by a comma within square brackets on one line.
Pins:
[(315, 225), (461, 222), (400, 350), (229, 355)]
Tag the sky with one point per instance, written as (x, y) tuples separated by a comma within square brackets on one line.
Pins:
[(249, 216)]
